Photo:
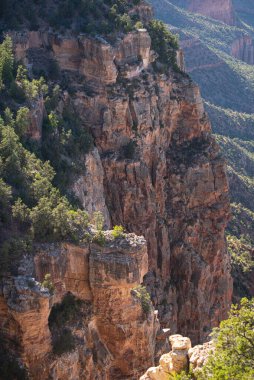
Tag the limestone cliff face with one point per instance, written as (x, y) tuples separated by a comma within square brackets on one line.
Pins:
[(24, 311), (243, 49), (114, 337), (222, 10), (158, 169)]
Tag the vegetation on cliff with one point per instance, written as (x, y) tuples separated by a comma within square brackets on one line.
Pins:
[(36, 201), (32, 208), (231, 354), (85, 16), (164, 43), (234, 341)]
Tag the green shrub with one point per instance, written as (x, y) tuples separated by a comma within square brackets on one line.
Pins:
[(139, 25), (65, 342), (70, 140), (234, 347), (240, 251), (40, 206), (99, 238), (6, 62), (164, 43), (47, 283), (142, 294), (17, 92), (118, 231), (32, 88), (5, 201), (12, 250), (65, 312), (22, 121), (98, 220)]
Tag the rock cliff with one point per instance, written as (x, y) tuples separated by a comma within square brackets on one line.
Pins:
[(114, 336), (220, 10), (243, 49), (158, 168)]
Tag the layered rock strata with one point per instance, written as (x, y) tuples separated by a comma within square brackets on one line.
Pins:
[(222, 10), (243, 49), (114, 337), (161, 173)]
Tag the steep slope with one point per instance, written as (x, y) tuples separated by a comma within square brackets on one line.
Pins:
[(127, 135), (211, 49)]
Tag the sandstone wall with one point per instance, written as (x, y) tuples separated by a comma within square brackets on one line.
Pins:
[(219, 9), (156, 170), (172, 189), (243, 49), (114, 337)]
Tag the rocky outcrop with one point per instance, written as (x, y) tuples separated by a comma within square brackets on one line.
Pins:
[(114, 272), (24, 311), (68, 266), (156, 170), (182, 358), (173, 189), (174, 362), (222, 10), (94, 58), (114, 336), (243, 49), (89, 188), (198, 355)]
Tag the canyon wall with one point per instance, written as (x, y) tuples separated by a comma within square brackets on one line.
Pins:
[(156, 170), (161, 173), (221, 10), (114, 337), (243, 49)]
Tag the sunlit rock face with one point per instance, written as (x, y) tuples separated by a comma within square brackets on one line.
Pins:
[(155, 169), (114, 337), (182, 357)]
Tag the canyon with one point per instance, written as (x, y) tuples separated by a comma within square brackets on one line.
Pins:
[(155, 169)]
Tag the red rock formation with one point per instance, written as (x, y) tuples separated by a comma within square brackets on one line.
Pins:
[(115, 337), (173, 187), (160, 174), (219, 9), (243, 49), (24, 311), (119, 319), (68, 266)]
